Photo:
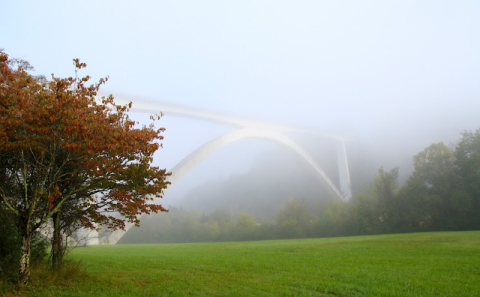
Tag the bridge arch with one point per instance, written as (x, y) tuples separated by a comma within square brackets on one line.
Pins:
[(245, 128), (197, 156)]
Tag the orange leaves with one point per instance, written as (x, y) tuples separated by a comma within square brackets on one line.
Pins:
[(53, 197), (3, 57), (80, 146), (79, 65), (71, 146)]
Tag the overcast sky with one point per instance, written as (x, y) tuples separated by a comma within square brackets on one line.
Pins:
[(385, 70)]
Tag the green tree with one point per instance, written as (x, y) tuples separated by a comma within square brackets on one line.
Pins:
[(366, 215), (386, 190), (467, 171), (205, 231), (245, 227), (333, 218), (374, 211), (293, 219), (431, 190)]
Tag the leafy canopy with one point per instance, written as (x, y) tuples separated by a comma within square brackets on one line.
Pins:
[(59, 144)]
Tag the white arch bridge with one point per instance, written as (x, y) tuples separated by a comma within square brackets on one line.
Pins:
[(244, 128)]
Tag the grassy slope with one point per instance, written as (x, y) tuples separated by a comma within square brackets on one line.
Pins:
[(422, 264)]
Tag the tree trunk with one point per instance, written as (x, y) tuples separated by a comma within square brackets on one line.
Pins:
[(25, 257), (57, 251)]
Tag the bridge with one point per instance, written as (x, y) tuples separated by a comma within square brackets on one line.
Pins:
[(244, 127)]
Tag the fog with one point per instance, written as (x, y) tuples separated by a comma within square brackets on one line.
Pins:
[(394, 76)]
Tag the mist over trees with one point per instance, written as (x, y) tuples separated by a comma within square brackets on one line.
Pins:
[(275, 177), (279, 174), (441, 194)]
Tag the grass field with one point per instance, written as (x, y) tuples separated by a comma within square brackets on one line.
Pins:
[(420, 264)]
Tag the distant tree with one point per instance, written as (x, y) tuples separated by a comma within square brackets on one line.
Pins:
[(221, 216), (292, 219), (220, 224), (265, 231), (183, 222), (332, 218), (467, 171), (245, 227), (373, 211), (366, 215), (205, 231), (386, 190), (62, 150), (431, 190)]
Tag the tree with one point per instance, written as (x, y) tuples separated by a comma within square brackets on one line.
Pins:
[(9, 243), (386, 190), (293, 219), (431, 189), (467, 170), (62, 150), (245, 227)]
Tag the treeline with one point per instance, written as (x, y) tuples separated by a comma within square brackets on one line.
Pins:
[(442, 194)]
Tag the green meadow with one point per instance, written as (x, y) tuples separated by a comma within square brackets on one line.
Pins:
[(419, 264)]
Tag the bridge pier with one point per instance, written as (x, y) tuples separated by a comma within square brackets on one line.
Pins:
[(343, 171)]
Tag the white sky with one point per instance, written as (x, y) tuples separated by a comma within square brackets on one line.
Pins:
[(395, 70)]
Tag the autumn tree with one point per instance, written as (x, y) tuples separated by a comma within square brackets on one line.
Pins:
[(63, 150)]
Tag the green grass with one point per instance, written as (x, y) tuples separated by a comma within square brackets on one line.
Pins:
[(420, 264)]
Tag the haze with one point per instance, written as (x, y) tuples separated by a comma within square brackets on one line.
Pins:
[(394, 75)]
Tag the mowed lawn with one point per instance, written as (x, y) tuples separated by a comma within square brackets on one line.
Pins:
[(420, 264)]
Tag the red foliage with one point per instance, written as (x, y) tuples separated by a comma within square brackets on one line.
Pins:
[(69, 149)]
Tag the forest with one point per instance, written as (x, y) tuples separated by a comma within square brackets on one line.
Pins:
[(441, 194)]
